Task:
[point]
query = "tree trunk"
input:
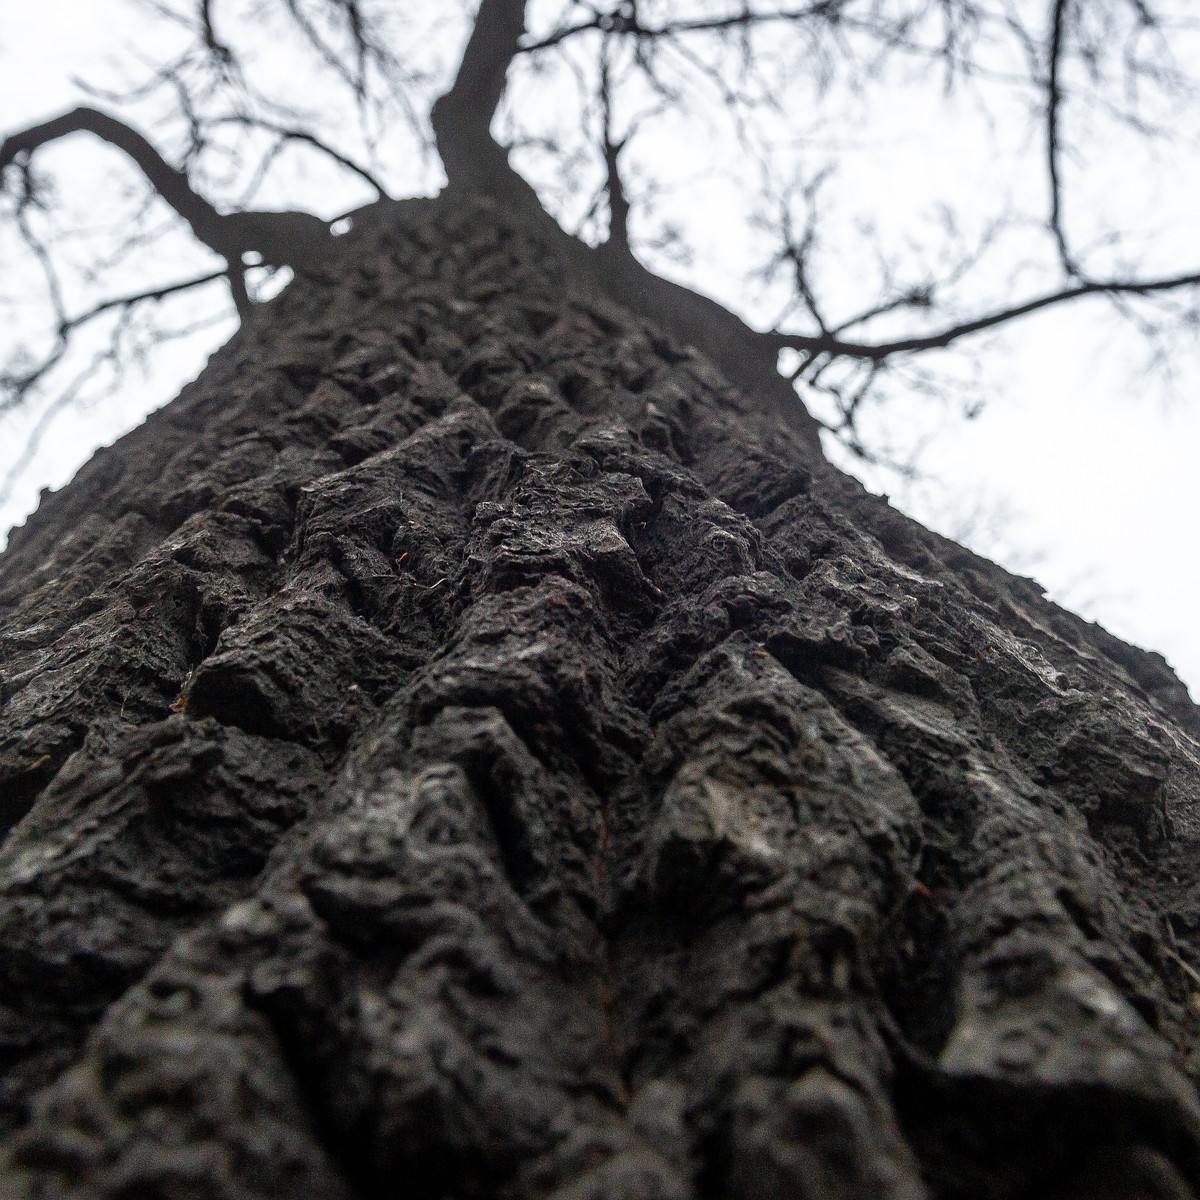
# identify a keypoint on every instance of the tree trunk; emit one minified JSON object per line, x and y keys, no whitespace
{"x":460,"y":748}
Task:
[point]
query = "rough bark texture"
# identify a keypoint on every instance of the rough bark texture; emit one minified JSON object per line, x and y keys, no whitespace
{"x":459,"y":749}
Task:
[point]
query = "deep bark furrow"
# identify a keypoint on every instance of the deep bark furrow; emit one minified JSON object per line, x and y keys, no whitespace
{"x":570,"y":791}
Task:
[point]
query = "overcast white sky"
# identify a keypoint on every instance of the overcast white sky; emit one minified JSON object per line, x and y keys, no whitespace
{"x":1092,"y":466}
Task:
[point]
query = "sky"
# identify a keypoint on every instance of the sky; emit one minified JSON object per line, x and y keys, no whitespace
{"x":1080,"y":473}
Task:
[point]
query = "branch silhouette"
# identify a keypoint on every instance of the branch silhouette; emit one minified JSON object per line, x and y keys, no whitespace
{"x":830,"y":343}
{"x":296,"y":239}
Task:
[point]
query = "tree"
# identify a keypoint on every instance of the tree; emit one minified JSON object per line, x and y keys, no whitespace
{"x":471,"y":742}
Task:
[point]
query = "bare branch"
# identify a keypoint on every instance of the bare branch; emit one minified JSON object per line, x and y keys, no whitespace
{"x":622,"y":20}
{"x":294,"y":239}
{"x":914,"y":298}
{"x":34,"y":439}
{"x":462,"y":118}
{"x":18,"y":387}
{"x":1054,"y":97}
{"x":618,"y":201}
{"x":114,"y":356}
{"x":216,"y":47}
{"x":172,"y":185}
{"x":832,"y":345}
{"x":128,"y":301}
{"x":286,"y":133}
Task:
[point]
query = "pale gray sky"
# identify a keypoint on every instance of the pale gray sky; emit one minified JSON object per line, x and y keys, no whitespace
{"x":1091,"y":466}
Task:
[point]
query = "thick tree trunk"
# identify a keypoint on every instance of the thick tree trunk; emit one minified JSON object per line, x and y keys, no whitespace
{"x":460,"y":748}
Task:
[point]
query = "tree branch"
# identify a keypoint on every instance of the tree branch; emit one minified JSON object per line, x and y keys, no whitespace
{"x":833,"y":345}
{"x":1053,"y":146}
{"x":296,"y":239}
{"x":287,"y":134}
{"x":127,"y":301}
{"x":462,"y":118}
{"x":34,"y":438}
{"x":618,"y":201}
{"x":216,"y":47}
{"x":19,"y":387}
{"x":172,"y":185}
{"x":619,"y":22}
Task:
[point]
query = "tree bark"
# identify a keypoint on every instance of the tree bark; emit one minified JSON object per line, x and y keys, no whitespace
{"x":465,"y":747}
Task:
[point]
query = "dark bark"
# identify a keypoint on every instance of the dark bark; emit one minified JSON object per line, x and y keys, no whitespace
{"x":463,"y":747}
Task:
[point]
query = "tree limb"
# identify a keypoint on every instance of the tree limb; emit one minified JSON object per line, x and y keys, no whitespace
{"x":831,"y":344}
{"x":618,"y":201}
{"x":288,"y":134}
{"x":216,"y":47}
{"x":172,"y":185}
{"x":618,"y":22}
{"x":1053,"y":142}
{"x":33,"y":440}
{"x":158,"y":293}
{"x":294,"y":239}
{"x":20,"y":386}
{"x":462,"y":118}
